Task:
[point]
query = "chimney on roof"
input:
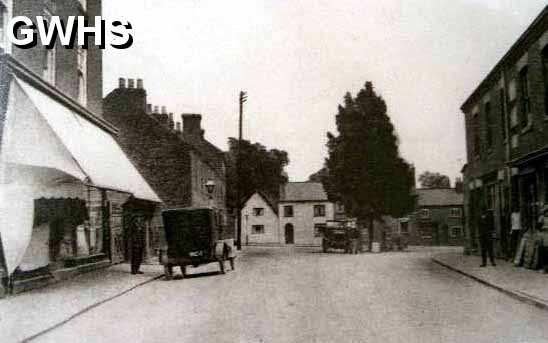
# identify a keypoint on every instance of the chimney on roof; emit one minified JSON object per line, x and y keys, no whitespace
{"x":459,"y":185}
{"x":192,"y":125}
{"x":121,"y":82}
{"x":178,"y":127}
{"x":130,"y":83}
{"x":156,"y":108}
{"x":164,"y":110}
{"x":171,"y":123}
{"x":127,"y":97}
{"x":149,"y":109}
{"x":140,"y":84}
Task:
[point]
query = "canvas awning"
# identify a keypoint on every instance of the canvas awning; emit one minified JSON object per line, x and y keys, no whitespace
{"x":43,"y":132}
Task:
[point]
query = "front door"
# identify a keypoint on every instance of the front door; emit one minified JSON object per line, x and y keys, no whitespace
{"x":289,"y":234}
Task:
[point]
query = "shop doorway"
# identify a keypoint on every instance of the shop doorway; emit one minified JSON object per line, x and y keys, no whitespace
{"x":289,"y":234}
{"x":530,"y":198}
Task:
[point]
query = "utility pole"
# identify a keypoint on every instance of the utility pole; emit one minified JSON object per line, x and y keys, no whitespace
{"x":243,"y":98}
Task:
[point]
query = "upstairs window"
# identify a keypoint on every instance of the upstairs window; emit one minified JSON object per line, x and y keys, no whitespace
{"x":525,"y":102}
{"x":258,"y":211}
{"x":502,"y":99}
{"x":489,"y":124}
{"x":424,"y":213}
{"x":49,"y":58}
{"x":288,"y":211}
{"x":545,"y":78}
{"x":319,"y":210}
{"x":476,"y":141}
{"x":455,"y":212}
{"x":257,"y":229}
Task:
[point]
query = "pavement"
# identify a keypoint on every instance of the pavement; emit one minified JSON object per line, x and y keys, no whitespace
{"x":526,"y":285}
{"x":33,"y":313}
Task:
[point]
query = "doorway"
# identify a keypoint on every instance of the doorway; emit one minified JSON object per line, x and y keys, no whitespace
{"x":289,"y":234}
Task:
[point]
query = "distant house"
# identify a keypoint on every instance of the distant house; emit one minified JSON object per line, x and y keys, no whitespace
{"x":303,"y":210}
{"x":438,"y":219}
{"x":260,"y":223}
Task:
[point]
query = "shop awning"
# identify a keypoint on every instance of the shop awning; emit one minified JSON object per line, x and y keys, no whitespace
{"x":43,"y":132}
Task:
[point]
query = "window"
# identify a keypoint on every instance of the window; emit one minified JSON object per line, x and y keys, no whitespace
{"x":502,"y":100}
{"x":48,"y":63}
{"x":476,"y":142}
{"x":404,"y":227}
{"x":319,"y":210}
{"x":545,"y":77}
{"x":258,"y":211}
{"x":82,"y":76}
{"x":318,"y":229}
{"x":489,"y":124}
{"x":490,"y":197}
{"x":456,"y":232}
{"x":424,"y":213}
{"x":257,"y":229}
{"x":525,"y":102}
{"x":288,"y":211}
{"x":455,"y":212}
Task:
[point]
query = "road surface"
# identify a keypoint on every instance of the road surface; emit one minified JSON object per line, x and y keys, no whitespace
{"x":302,"y":295}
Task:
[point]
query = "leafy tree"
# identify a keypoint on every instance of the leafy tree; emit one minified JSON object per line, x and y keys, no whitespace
{"x":262,"y":170}
{"x":364,"y":168}
{"x":434,"y":180}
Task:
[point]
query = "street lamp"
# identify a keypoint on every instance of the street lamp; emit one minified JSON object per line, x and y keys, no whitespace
{"x":210,"y":187}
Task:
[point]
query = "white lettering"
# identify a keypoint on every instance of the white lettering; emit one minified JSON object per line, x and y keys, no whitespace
{"x":28,"y":32}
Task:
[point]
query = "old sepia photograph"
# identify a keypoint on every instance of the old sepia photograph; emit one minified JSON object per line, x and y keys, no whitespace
{"x":274,"y":171}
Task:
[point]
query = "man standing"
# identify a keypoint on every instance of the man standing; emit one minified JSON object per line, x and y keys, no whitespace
{"x":137,"y":244}
{"x":486,"y":232}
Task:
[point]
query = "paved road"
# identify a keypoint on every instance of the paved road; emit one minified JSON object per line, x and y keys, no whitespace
{"x":281,"y":295}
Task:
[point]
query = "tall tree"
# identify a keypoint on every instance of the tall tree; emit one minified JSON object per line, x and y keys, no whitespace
{"x":364,"y":169}
{"x":262,"y":170}
{"x":434,"y":180}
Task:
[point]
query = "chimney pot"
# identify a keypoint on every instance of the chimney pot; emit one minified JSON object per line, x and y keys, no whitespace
{"x":121,"y":82}
{"x":130,"y":83}
{"x":140,"y":84}
{"x":164,"y":110}
{"x":178,"y":126}
{"x":192,"y":125}
{"x":149,"y":108}
{"x":156,"y":110}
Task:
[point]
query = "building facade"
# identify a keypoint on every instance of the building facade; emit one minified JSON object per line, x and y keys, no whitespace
{"x":303,"y":210}
{"x":438,"y":219}
{"x":176,"y":162}
{"x":507,"y":139}
{"x":260,"y":224}
{"x":65,"y":184}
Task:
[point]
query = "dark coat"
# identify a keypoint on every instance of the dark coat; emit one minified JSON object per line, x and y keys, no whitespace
{"x":486,"y":226}
{"x":138,"y":234}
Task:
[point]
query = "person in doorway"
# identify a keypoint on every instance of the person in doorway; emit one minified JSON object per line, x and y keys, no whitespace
{"x":515,"y":233}
{"x":137,"y":241}
{"x":486,"y":233}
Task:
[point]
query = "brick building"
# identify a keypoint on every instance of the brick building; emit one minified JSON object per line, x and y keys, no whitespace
{"x":64,"y":182}
{"x":177,"y":163}
{"x":506,"y":121}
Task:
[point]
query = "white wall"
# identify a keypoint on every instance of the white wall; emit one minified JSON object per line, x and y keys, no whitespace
{"x":269,"y":219}
{"x":303,"y":221}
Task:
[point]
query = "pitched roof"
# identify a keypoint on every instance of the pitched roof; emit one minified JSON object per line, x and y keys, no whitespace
{"x":269,"y":200}
{"x":212,"y":155}
{"x":439,"y":197}
{"x":302,"y":191}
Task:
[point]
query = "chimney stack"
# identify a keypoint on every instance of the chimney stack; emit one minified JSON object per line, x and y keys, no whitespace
{"x":140,"y":84}
{"x":171,"y":123}
{"x":121,"y":82}
{"x":149,"y":109}
{"x":156,"y":108}
{"x":130,"y":83}
{"x":192,"y":127}
{"x":164,"y":110}
{"x":178,"y":127}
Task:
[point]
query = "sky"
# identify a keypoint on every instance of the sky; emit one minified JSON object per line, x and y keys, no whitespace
{"x":297,"y":58}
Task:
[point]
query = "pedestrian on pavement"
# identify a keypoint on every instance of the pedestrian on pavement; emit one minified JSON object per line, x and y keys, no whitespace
{"x":137,"y":240}
{"x":486,"y":233}
{"x":515,"y":233}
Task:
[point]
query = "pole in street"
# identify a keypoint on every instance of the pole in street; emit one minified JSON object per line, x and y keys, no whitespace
{"x":243,"y":98}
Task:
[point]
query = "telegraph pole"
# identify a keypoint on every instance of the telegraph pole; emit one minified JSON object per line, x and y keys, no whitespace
{"x":243,"y":98}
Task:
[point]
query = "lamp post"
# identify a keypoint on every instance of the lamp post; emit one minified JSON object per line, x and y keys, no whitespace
{"x":210,"y":187}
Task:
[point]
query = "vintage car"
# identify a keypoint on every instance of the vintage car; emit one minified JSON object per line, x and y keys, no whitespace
{"x":339,"y":235}
{"x":195,"y":236}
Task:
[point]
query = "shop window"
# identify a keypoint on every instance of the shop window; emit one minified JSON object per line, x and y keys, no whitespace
{"x":525,"y":102}
{"x":318,"y":229}
{"x":288,"y":211}
{"x":319,"y":210}
{"x":404,"y":227}
{"x":257,"y":229}
{"x":258,"y":211}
